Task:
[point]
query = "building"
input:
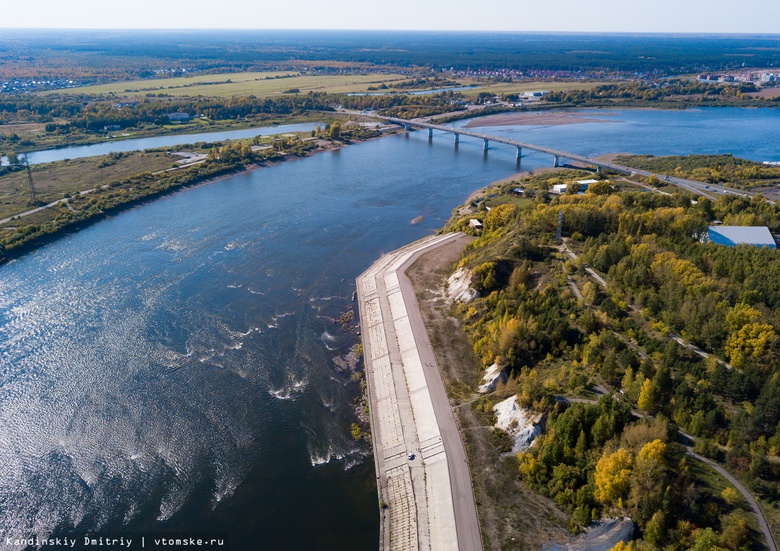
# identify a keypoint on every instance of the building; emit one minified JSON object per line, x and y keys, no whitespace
{"x":561,"y":188}
{"x":180,"y":117}
{"x":518,"y":191}
{"x":476,"y":224}
{"x":732,"y":236}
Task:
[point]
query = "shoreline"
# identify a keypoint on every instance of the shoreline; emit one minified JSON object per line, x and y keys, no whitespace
{"x":173,"y":132}
{"x":423,"y":479}
{"x":11,"y":254}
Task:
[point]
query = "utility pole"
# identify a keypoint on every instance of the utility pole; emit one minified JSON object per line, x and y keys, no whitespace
{"x":34,"y":200}
{"x":560,"y":225}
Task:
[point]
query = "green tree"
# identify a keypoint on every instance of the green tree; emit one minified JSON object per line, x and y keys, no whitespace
{"x":648,"y":481}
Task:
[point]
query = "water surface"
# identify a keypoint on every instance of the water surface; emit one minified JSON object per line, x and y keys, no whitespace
{"x":172,"y":367}
{"x":122,"y":145}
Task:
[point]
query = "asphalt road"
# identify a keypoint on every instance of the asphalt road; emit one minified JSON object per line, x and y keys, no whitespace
{"x":466,"y":518}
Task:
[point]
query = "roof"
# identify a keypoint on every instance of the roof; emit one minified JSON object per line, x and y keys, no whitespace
{"x":586,"y":182}
{"x":736,"y":235}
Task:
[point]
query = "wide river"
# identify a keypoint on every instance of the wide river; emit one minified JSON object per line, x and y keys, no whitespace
{"x":172,"y":367}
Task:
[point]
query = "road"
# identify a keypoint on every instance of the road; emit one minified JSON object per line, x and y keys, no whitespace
{"x":466,"y":519}
{"x":692,"y":347}
{"x":696,"y":187}
{"x":762,"y":522}
{"x":763,"y":525}
{"x":422,"y":472}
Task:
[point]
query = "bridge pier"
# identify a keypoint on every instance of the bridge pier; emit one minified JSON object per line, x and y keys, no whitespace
{"x":519,"y":153}
{"x":485,"y":145}
{"x":598,"y":170}
{"x":430,"y":133}
{"x":406,"y":127}
{"x":556,"y":161}
{"x":457,"y":138}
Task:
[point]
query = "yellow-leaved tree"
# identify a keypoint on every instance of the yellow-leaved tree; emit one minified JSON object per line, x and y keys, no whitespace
{"x":751,"y":341}
{"x":499,"y":216}
{"x":646,"y":399}
{"x":613,"y":477}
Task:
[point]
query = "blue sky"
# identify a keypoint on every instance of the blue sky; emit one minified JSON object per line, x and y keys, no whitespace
{"x":723,"y":16}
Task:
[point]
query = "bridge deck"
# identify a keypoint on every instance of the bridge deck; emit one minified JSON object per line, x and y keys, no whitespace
{"x":694,"y":186}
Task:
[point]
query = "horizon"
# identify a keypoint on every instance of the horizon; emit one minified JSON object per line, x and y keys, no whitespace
{"x":611,"y":16}
{"x":378,"y":30}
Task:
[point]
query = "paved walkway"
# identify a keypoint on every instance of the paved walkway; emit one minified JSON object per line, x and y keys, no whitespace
{"x":430,"y":504}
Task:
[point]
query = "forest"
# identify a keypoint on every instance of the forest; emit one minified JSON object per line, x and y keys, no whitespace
{"x":622,"y":396}
{"x":77,"y":119}
{"x":97,"y":56}
{"x":715,"y":169}
{"x":671,"y":90}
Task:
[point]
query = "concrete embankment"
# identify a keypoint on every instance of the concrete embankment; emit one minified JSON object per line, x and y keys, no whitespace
{"x":422,"y":473}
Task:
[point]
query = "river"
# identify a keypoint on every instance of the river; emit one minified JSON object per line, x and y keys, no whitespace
{"x":123,"y":145}
{"x":172,"y":367}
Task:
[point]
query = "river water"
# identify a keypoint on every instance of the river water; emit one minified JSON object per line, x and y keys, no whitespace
{"x":172,"y":367}
{"x":138,"y":144}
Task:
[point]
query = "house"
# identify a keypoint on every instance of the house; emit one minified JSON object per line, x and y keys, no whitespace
{"x":561,"y":188}
{"x":476,"y":224}
{"x":518,"y":191}
{"x":178,"y":117}
{"x":731,"y":236}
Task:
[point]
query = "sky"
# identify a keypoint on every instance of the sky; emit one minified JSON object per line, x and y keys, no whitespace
{"x":695,"y":16}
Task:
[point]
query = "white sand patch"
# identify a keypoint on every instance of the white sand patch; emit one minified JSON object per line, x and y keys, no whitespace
{"x":521,"y":424}
{"x":459,"y":286}
{"x":493,"y":375}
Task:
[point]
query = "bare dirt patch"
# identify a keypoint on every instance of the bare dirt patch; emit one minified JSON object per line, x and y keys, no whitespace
{"x":544,"y":118}
{"x":511,"y":515}
{"x":768,"y":93}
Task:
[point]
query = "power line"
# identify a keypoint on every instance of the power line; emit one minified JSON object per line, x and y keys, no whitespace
{"x":34,"y":200}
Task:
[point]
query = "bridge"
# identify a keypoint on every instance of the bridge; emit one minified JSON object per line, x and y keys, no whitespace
{"x":696,"y":187}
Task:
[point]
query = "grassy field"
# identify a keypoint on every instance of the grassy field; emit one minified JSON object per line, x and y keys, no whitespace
{"x":54,"y":180}
{"x":262,"y":84}
{"x":242,"y":84}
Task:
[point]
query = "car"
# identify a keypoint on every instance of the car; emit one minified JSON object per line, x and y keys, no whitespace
{"x":411,"y":457}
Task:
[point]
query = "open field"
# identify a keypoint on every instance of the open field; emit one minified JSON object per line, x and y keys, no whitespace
{"x":54,"y":180}
{"x":242,"y":84}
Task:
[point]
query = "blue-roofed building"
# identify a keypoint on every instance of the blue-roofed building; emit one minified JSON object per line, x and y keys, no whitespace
{"x":732,"y":236}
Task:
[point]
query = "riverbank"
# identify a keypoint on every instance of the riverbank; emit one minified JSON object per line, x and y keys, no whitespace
{"x":29,"y":131}
{"x":511,"y":516}
{"x":422,"y":475}
{"x":87,"y":207}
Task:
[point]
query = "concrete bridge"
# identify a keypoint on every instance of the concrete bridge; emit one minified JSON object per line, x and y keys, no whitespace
{"x":699,"y":188}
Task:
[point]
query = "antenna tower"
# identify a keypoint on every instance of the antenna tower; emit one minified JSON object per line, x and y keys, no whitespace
{"x":34,"y":200}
